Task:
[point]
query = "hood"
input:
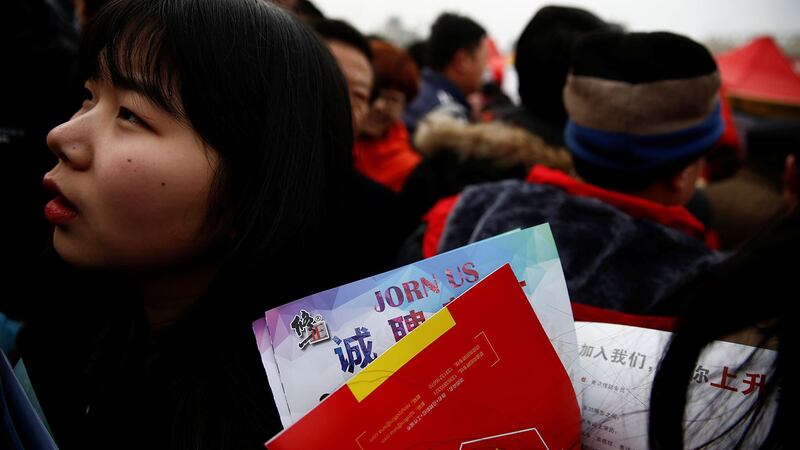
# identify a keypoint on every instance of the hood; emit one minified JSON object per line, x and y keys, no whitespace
{"x":505,"y":145}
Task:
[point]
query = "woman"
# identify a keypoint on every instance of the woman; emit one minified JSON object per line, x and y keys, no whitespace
{"x":383,"y":150}
{"x":200,"y":173}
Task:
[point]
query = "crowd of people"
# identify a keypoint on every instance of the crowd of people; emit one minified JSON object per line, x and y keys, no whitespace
{"x":226,"y":148}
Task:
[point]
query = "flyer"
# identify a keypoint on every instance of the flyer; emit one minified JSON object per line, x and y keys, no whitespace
{"x":317,"y":343}
{"x":469,"y":377}
{"x":620,"y":363}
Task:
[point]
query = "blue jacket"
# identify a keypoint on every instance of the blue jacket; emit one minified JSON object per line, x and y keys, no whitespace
{"x":435,"y":91}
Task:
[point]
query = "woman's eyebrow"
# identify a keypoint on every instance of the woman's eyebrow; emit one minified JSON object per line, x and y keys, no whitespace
{"x":143,"y":105}
{"x":155,"y":96}
{"x":127,"y":83}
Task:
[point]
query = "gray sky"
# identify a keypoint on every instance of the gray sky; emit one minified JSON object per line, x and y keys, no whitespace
{"x":505,"y":19}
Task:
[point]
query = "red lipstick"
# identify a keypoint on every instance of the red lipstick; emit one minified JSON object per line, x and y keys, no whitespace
{"x":58,"y":211}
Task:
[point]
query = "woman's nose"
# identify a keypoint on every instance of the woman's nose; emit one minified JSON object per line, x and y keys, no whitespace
{"x":71,"y":142}
{"x":379,"y":104}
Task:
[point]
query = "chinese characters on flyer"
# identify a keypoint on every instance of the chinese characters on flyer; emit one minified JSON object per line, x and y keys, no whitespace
{"x":345,"y":346}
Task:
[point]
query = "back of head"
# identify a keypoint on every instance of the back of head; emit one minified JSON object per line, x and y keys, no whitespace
{"x":641,"y":106}
{"x":418,"y":51}
{"x":449,"y":34}
{"x":768,"y":143}
{"x":543,"y":57}
{"x":258,"y":87}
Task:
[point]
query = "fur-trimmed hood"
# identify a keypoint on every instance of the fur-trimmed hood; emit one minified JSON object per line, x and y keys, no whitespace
{"x":505,"y":145}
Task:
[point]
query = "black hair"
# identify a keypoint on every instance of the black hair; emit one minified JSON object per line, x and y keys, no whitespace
{"x":259,"y":88}
{"x":768,"y":142}
{"x":307,"y":10}
{"x":449,"y":34}
{"x":754,"y":288}
{"x":543,"y":57}
{"x":419,"y":53}
{"x":630,"y":182}
{"x":339,"y":30}
{"x":613,"y":54}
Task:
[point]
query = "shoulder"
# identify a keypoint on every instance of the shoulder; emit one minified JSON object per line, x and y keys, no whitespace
{"x":488,"y":209}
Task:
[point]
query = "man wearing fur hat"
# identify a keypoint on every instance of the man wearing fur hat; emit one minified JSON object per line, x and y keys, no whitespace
{"x":643,"y":110}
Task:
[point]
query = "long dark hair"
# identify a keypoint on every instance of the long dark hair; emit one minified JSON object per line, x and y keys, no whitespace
{"x":757,"y":286}
{"x":259,"y":88}
{"x":262,"y":91}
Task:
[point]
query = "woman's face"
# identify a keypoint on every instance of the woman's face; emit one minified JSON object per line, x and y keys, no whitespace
{"x":132,"y":184}
{"x":384,"y":111}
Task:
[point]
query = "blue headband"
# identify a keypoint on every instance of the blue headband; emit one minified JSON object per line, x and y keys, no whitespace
{"x":636,"y":153}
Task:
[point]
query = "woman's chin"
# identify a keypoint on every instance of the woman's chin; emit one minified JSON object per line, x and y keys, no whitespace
{"x":374,"y":130}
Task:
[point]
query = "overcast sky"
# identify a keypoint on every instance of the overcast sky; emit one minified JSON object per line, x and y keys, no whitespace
{"x":505,"y":19}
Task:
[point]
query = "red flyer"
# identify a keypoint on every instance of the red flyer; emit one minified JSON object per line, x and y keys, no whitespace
{"x":479,"y":374}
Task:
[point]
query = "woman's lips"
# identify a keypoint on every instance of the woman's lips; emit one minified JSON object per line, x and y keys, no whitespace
{"x":58,"y":211}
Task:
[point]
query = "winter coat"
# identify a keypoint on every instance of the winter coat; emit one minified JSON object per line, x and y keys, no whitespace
{"x":619,"y":252}
{"x":456,"y":154}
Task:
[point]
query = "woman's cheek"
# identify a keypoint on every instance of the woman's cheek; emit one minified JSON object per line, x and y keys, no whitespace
{"x":133,"y":192}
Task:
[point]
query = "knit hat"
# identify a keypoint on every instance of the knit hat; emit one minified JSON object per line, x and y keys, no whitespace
{"x":640,"y":102}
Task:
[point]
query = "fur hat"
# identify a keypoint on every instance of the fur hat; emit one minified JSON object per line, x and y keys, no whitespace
{"x":641,"y":102}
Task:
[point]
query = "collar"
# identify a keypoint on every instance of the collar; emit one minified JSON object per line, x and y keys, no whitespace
{"x":674,"y":216}
{"x":437,"y":81}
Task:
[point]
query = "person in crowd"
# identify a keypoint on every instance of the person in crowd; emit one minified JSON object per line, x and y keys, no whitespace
{"x":354,"y":55}
{"x":457,"y":154}
{"x":719,"y":305}
{"x":418,"y":51}
{"x":643,"y":110}
{"x":383,"y":151}
{"x":369,"y":199}
{"x":747,"y":202}
{"x":197,"y":185}
{"x":457,"y":57}
{"x":542,"y":61}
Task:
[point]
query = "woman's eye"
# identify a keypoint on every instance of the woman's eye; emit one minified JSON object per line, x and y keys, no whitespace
{"x":87,"y":94}
{"x":127,"y":115}
{"x":88,"y":98}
